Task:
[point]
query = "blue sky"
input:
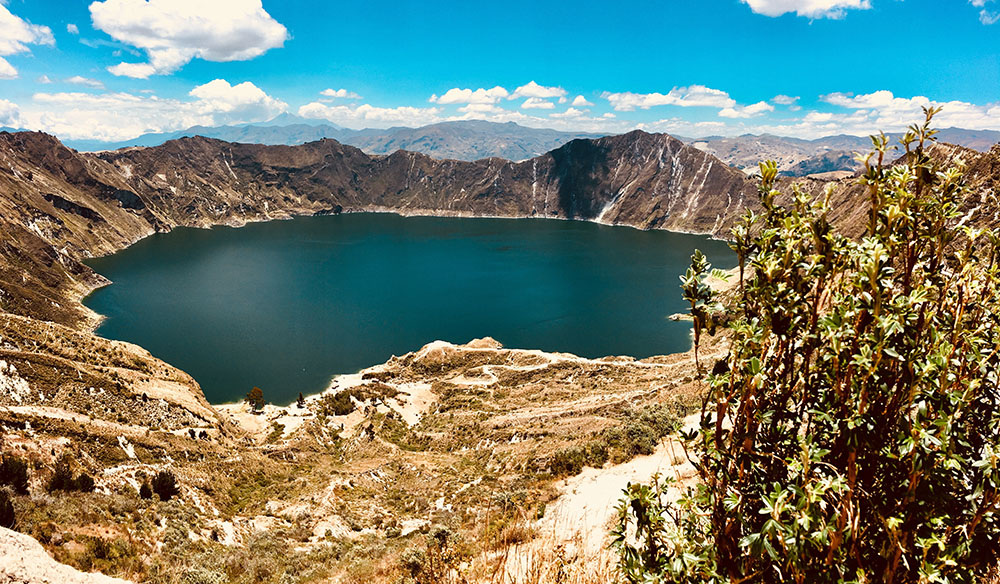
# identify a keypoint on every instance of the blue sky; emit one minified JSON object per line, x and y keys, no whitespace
{"x":113,"y":69}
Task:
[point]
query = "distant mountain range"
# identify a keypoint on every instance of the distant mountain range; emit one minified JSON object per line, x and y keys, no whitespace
{"x":798,"y":157}
{"x":475,"y":140}
{"x":462,"y":140}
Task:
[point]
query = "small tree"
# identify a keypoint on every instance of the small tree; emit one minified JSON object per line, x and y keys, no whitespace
{"x":14,"y":473}
{"x":164,"y":484}
{"x":256,"y":399}
{"x":701,"y":297}
{"x":855,"y":436}
{"x":301,"y":402}
{"x":145,"y":492}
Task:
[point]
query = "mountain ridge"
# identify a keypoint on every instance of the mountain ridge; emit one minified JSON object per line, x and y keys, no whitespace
{"x":462,"y":140}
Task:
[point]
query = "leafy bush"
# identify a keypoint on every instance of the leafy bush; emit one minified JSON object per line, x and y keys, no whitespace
{"x":854,"y":436}
{"x":639,"y":435}
{"x":145,"y":492}
{"x":570,"y":461}
{"x":164,"y":484}
{"x":7,"y":518}
{"x":63,"y":479}
{"x":14,"y":473}
{"x":341,"y":402}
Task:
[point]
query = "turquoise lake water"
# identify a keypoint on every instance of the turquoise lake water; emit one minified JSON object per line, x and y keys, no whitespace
{"x":286,"y":305}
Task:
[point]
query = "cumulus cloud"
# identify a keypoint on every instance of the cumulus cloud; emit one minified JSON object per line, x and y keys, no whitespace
{"x":234,"y":103}
{"x":784,"y":100}
{"x":808,"y":8}
{"x":10,"y":114}
{"x":339,"y":94}
{"x":986,"y":17}
{"x":694,"y":95}
{"x":570,"y":113}
{"x":865,"y":114}
{"x":369,"y":116}
{"x":532,"y":89}
{"x":481,"y":109}
{"x":80,"y":80}
{"x":581,"y":101}
{"x":173,"y":32}
{"x":7,"y":71}
{"x":456,"y":95}
{"x":537,"y":103}
{"x":748,"y":111}
{"x":15,"y":36}
{"x":72,"y":28}
{"x":119,"y":116}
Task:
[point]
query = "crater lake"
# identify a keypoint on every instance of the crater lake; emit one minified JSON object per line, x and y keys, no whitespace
{"x":286,"y":305}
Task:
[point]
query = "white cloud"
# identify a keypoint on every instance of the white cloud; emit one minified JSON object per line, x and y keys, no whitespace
{"x":481,"y":108}
{"x":15,"y":36}
{"x":369,"y":116}
{"x":570,"y":113}
{"x":694,"y":95}
{"x":986,"y":17}
{"x":72,"y":28}
{"x":134,"y":70}
{"x":581,"y":101}
{"x":339,"y":94}
{"x":784,"y":100}
{"x":682,"y":127}
{"x":10,"y":114}
{"x":468,"y":96}
{"x":234,"y":103}
{"x":532,"y":89}
{"x":808,"y":8}
{"x":119,"y":116}
{"x":748,"y":111}
{"x":44,"y":80}
{"x":537,"y":103}
{"x":7,"y":71}
{"x":173,"y":32}
{"x":80,"y":80}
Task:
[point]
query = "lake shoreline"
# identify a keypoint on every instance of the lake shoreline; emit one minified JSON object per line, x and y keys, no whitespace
{"x":508,"y":224}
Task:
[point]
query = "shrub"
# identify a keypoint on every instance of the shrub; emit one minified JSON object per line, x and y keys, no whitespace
{"x":854,"y":434}
{"x":164,"y":484}
{"x":84,"y":483}
{"x":570,"y":461}
{"x":62,"y":477}
{"x":6,"y":510}
{"x":14,"y":474}
{"x":145,"y":492}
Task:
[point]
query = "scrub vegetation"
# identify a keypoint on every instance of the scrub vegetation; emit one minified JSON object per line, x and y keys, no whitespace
{"x":851,"y":434}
